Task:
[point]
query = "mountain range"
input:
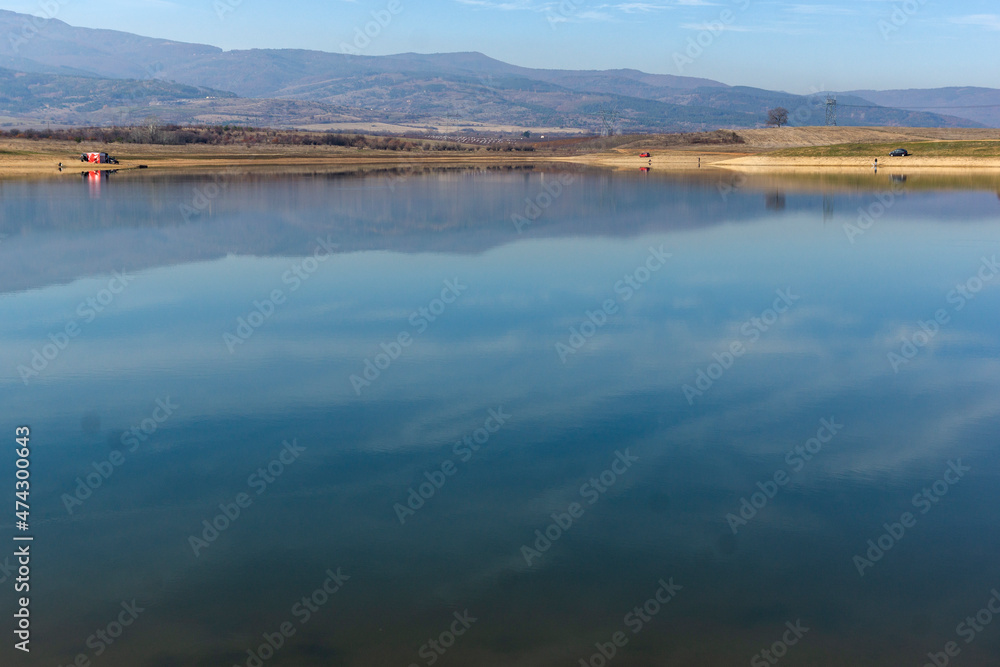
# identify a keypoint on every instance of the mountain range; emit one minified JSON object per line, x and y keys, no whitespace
{"x":57,"y":74}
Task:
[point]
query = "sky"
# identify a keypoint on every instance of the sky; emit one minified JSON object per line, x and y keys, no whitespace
{"x":797,"y":47}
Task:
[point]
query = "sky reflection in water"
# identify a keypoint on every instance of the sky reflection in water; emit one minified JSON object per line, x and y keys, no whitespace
{"x":733,"y":243}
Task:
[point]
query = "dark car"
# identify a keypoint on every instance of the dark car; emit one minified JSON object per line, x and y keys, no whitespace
{"x":899,"y":152}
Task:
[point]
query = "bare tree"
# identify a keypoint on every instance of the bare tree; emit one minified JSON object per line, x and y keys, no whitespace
{"x":778,"y":116}
{"x":147,"y":132}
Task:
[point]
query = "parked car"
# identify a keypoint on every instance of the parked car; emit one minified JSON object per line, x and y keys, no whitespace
{"x":899,"y":152}
{"x":645,"y":155}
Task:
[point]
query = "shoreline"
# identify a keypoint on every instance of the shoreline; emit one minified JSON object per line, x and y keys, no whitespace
{"x":25,"y":159}
{"x":30,"y":169}
{"x":887,"y":163}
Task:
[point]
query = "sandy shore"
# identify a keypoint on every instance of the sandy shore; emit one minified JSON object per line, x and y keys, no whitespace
{"x":910,"y":162}
{"x":684,"y":160}
{"x":14,"y":167}
{"x":668,"y":160}
{"x":21,"y":158}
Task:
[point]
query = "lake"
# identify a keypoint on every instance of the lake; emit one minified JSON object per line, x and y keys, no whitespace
{"x":505,"y":416}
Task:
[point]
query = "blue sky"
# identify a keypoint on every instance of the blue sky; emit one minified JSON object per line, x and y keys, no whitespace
{"x":797,"y":47}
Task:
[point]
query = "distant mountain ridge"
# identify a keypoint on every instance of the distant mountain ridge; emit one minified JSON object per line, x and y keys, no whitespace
{"x":978,"y":104}
{"x":299,"y":88}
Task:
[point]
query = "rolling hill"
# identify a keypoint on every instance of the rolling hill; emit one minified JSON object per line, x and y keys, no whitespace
{"x":181,"y":82}
{"x":978,"y":104}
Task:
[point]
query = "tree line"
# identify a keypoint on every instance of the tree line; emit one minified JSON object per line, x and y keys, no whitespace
{"x":228,"y":135}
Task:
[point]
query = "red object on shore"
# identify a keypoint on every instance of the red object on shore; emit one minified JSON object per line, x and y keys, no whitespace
{"x":645,"y":155}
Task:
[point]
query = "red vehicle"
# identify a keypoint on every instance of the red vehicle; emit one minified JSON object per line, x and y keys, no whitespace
{"x":645,"y":155}
{"x":97,"y":158}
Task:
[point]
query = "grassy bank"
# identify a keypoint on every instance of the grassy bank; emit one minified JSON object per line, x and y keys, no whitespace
{"x":922,"y":149}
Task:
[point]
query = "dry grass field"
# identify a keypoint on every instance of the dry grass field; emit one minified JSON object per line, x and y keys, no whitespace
{"x":812,"y":147}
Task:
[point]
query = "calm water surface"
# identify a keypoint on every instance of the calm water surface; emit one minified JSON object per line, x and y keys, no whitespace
{"x":541,"y":400}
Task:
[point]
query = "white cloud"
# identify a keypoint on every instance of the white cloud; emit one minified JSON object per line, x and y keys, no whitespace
{"x":988,"y":21}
